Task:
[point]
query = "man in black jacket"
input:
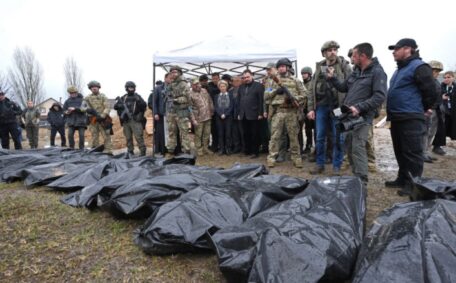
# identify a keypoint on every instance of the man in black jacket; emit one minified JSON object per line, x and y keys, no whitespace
{"x":75,"y":116}
{"x":250,"y":112}
{"x":130,"y":109}
{"x":411,"y":96}
{"x":366,"y":91}
{"x":56,"y":119}
{"x":8,"y":124}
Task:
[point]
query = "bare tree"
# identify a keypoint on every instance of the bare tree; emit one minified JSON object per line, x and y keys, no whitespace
{"x":26,"y":77}
{"x":73,"y":74}
{"x":4,"y":85}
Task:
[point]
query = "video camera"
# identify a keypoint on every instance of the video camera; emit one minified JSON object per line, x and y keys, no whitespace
{"x":345,"y":121}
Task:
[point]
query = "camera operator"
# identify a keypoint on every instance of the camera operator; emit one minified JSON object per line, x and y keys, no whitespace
{"x":366,"y":90}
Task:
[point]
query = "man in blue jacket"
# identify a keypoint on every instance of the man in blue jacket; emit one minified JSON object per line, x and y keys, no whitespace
{"x":366,"y":91}
{"x":411,"y":95}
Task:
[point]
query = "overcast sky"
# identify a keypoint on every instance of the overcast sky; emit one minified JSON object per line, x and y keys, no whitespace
{"x":114,"y":41}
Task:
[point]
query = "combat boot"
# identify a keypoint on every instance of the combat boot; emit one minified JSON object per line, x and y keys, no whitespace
{"x":169,"y":155}
{"x":271,"y":163}
{"x":297,"y":163}
{"x":317,"y":170}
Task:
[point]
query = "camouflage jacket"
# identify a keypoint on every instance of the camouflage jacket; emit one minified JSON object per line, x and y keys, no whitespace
{"x":98,"y":102}
{"x":31,"y":116}
{"x":319,"y":83}
{"x":202,"y":105}
{"x":268,"y":88}
{"x":179,"y":93}
{"x":295,"y":87}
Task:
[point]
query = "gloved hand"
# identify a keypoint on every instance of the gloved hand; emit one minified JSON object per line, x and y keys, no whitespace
{"x":280,"y":91}
{"x":91,"y":111}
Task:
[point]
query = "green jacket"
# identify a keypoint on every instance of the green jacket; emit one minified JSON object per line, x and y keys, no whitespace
{"x":342,"y":72}
{"x":98,"y":102}
{"x":179,"y":92}
{"x":295,"y":87}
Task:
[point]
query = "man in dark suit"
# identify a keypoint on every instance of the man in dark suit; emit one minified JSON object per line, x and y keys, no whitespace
{"x":157,"y":103}
{"x":250,"y":112}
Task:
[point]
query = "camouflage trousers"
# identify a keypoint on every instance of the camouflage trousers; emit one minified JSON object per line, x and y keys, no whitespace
{"x":32,"y":135}
{"x":181,"y":125}
{"x":202,"y":134}
{"x":284,"y":119}
{"x":133,"y":128}
{"x":95,"y":130}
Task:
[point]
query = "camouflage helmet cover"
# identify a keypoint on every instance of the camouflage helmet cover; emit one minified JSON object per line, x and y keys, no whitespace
{"x":329,"y":44}
{"x":93,"y":84}
{"x":437,"y":65}
{"x":72,"y":89}
{"x":179,"y":69}
{"x":307,"y":69}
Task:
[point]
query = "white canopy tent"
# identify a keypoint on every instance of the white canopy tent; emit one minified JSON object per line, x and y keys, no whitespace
{"x":229,"y":55}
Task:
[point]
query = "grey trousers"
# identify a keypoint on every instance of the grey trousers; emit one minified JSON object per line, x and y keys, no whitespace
{"x":356,"y":151}
{"x":431,"y":130}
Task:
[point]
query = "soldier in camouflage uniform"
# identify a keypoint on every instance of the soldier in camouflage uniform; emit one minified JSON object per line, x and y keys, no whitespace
{"x":202,"y":109}
{"x":31,"y":117}
{"x":284,"y":112}
{"x":97,"y":106}
{"x":130,"y":109}
{"x":178,"y":106}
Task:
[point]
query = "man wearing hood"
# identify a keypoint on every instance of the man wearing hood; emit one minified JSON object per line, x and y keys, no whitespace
{"x":130,"y":109}
{"x":366,"y":91}
{"x":56,"y":119}
{"x":411,"y":96}
{"x":75,"y":116}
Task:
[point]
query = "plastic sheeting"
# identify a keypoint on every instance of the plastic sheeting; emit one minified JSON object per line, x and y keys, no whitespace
{"x":312,"y":237}
{"x":410,"y":242}
{"x":429,"y":188}
{"x":182,"y":225}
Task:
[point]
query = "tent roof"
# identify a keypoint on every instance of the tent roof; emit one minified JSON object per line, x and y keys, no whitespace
{"x":226,"y":49}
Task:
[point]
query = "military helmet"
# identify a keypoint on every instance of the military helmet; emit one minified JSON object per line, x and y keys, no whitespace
{"x":72,"y":89}
{"x":284,"y":61}
{"x":93,"y":84}
{"x":130,"y":84}
{"x":436,"y":65}
{"x":307,"y":70}
{"x":329,"y":44}
{"x":179,"y":69}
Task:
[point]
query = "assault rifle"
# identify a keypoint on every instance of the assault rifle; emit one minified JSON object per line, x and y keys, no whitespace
{"x":125,"y":115}
{"x":287,"y":92}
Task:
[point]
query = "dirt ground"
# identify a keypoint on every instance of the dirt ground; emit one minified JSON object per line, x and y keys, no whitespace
{"x":44,"y":240}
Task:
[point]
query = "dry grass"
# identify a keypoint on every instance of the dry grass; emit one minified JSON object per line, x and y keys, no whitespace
{"x":42,"y":240}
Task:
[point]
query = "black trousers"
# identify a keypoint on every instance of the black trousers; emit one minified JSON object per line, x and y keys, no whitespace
{"x":159,"y":136}
{"x":214,"y":134}
{"x":440,"y":135}
{"x":61,"y":131}
{"x":309,"y":125}
{"x":264,"y":135}
{"x":81,"y":131}
{"x":251,"y":134}
{"x":407,"y":136}
{"x":237,"y":136}
{"x":224,"y":133}
{"x":10,"y":129}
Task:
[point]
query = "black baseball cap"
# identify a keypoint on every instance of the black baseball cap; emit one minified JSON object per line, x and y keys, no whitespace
{"x":404,"y":42}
